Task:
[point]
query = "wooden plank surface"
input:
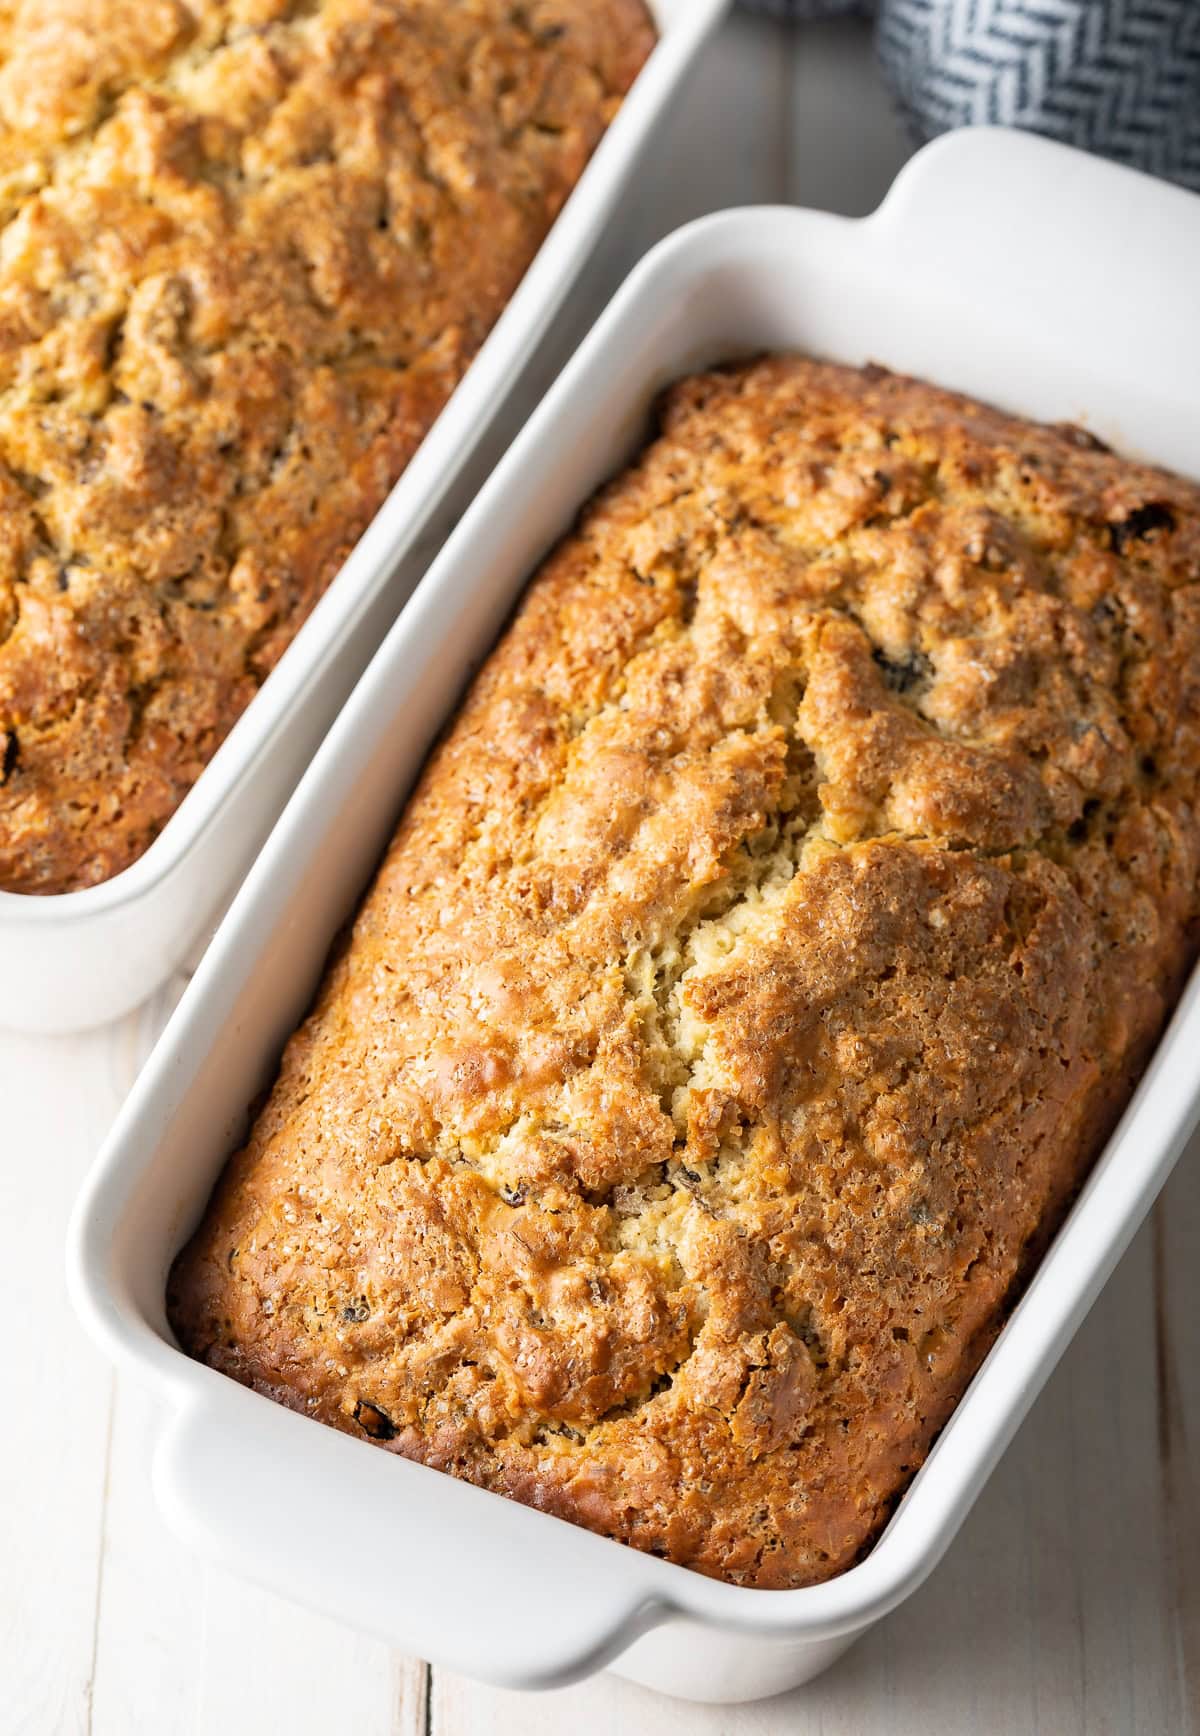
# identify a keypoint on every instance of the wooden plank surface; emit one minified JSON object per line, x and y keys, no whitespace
{"x":1071,"y":1601}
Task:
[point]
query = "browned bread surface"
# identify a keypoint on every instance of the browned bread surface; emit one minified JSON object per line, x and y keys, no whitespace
{"x":249,"y":248}
{"x":759,"y":964}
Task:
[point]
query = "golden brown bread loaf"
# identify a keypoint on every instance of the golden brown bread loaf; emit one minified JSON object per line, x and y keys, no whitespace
{"x":763,"y":957}
{"x":250,"y":246}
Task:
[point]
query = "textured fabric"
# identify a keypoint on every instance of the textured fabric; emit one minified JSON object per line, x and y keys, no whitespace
{"x":1118,"y":77}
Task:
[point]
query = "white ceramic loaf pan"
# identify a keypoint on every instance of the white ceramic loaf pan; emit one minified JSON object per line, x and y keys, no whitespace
{"x":79,"y":958}
{"x":987,"y":268}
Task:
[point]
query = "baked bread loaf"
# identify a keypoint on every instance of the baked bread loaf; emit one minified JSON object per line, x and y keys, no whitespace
{"x":762,"y":959}
{"x":250,"y":247}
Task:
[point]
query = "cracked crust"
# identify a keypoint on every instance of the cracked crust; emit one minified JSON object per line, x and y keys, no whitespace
{"x":763,"y":957}
{"x":249,"y":248}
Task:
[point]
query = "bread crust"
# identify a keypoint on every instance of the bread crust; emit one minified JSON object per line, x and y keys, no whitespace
{"x":763,"y":957}
{"x":250,"y":247}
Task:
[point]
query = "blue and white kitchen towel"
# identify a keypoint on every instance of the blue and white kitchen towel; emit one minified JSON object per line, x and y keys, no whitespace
{"x":1118,"y":77}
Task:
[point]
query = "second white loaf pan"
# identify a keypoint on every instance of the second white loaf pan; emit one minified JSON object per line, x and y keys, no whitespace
{"x":74,"y":959}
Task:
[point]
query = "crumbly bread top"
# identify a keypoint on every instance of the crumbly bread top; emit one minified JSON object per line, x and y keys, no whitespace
{"x":248,"y":249}
{"x":763,"y":956}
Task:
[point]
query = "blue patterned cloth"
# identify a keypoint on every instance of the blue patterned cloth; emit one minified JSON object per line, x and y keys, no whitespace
{"x":1118,"y":77}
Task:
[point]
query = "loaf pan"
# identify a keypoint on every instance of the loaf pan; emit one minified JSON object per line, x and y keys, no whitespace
{"x":986,"y":270}
{"x":75,"y":959}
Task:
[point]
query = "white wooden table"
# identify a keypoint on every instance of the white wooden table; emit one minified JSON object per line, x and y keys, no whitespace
{"x":1071,"y":1601}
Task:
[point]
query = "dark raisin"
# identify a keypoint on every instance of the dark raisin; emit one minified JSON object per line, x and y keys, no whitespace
{"x":903,"y":677}
{"x":1141,"y":523}
{"x":372,"y":1421}
{"x":1078,"y":830}
{"x":12,"y":754}
{"x":356,"y":1312}
{"x":1083,"y":438}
